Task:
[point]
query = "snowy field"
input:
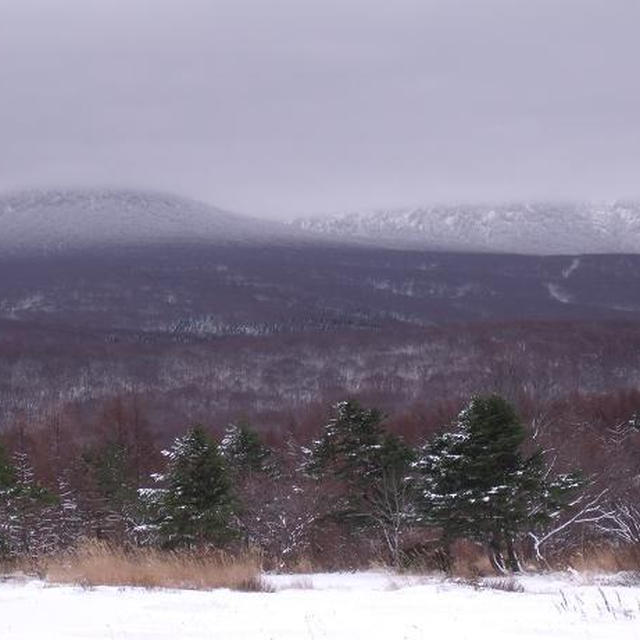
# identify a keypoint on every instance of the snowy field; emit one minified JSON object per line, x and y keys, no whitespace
{"x":353,"y":606}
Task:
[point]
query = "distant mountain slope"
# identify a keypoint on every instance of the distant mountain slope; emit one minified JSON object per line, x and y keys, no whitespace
{"x":538,"y":229}
{"x":55,"y":220}
{"x":212,"y":290}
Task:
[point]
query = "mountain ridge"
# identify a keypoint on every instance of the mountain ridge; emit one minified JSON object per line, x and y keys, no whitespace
{"x":54,"y":220}
{"x":523,"y":228}
{"x":58,"y":220}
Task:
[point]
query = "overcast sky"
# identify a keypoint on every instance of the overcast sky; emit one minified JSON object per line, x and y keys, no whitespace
{"x":284,"y":107}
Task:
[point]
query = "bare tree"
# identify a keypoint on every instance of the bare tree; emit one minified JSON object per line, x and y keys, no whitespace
{"x":586,"y":509}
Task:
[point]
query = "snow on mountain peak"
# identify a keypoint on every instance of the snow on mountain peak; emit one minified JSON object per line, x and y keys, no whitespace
{"x":51,"y":220}
{"x":539,"y":228}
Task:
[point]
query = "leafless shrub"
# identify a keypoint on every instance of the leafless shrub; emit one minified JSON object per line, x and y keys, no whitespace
{"x":255,"y":584}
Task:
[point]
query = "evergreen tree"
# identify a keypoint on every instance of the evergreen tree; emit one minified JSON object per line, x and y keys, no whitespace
{"x":110,"y":495}
{"x":475,"y":482}
{"x":62,"y":523}
{"x":366,"y":472}
{"x":196,"y":505}
{"x":7,"y":472}
{"x":350,"y":443}
{"x":243,"y":450}
{"x":7,"y":480}
{"x":257,"y":484}
{"x":24,"y":503}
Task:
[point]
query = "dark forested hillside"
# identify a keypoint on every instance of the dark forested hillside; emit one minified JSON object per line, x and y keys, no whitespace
{"x":209,"y":290}
{"x":207,"y":332}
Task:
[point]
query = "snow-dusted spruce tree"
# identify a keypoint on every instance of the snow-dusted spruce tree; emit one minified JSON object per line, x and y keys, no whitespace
{"x":24,"y":501}
{"x":7,"y":479}
{"x":62,"y":523}
{"x":475,"y":482}
{"x":196,"y":504}
{"x":244,"y":452}
{"x":34,"y":520}
{"x":257,"y":485}
{"x":369,"y":468}
{"x":276,"y":509}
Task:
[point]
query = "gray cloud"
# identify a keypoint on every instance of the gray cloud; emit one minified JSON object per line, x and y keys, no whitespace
{"x":287,"y":107}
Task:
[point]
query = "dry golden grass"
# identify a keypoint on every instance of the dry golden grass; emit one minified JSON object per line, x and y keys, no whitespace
{"x":301,"y":564}
{"x":470,"y":560}
{"x":96,"y":563}
{"x":606,"y":559}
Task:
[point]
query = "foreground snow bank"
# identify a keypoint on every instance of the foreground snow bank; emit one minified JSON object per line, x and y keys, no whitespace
{"x":336,"y":606}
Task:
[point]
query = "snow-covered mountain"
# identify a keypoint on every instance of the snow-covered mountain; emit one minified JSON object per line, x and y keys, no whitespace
{"x":539,"y":229}
{"x":49,"y":221}
{"x":52,"y":220}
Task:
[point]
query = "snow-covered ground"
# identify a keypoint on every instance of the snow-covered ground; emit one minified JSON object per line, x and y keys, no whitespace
{"x":336,"y":606}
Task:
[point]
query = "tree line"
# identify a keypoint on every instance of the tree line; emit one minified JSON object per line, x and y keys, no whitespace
{"x":355,"y":492}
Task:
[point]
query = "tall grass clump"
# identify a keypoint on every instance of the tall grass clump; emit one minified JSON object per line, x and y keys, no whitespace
{"x":606,"y":559}
{"x":96,"y":563}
